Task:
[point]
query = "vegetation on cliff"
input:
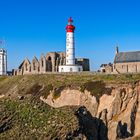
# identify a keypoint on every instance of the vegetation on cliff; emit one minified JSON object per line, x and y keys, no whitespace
{"x":35,"y":120}
{"x":24,"y":116}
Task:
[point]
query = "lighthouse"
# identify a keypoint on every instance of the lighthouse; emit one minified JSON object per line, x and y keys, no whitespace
{"x":70,"y":50}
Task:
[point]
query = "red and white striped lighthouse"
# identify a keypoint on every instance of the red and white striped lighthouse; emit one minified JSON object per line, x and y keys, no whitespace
{"x":70,"y":51}
{"x":70,"y":48}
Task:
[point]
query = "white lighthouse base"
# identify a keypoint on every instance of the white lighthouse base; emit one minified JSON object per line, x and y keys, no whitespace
{"x":70,"y":68}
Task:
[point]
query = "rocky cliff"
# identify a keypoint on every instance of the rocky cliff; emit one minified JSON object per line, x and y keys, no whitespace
{"x":102,"y":107}
{"x":119,"y":109}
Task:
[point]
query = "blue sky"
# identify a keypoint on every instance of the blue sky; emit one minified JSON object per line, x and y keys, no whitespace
{"x":32,"y":27}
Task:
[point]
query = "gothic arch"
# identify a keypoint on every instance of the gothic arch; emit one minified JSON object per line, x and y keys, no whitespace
{"x":49,"y":58}
{"x":49,"y":63}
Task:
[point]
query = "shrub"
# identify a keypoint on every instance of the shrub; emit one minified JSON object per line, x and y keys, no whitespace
{"x":96,"y":88}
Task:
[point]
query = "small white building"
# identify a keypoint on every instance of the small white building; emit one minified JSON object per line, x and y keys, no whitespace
{"x":70,"y":51}
{"x":3,"y":62}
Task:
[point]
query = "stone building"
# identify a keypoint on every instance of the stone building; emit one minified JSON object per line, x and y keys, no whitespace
{"x":106,"y":68}
{"x":126,"y":62}
{"x":48,"y":63}
{"x":84,"y":62}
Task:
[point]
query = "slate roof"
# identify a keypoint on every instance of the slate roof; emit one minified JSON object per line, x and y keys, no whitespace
{"x":123,"y":57}
{"x":104,"y":65}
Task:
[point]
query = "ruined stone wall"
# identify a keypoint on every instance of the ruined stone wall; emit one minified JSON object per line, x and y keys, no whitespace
{"x":35,"y":66}
{"x":26,"y":69}
{"x":42,"y":65}
{"x":54,"y":59}
{"x":48,"y":63}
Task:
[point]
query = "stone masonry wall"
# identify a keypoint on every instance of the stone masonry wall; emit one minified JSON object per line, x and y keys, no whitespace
{"x":131,"y":67}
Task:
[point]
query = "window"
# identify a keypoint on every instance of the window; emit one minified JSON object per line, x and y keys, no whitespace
{"x":62,"y":69}
{"x":30,"y":69}
{"x":79,"y":69}
{"x":136,"y":68}
{"x":127,"y":67}
{"x":26,"y":67}
{"x":42,"y":63}
{"x":34,"y":66}
{"x":103,"y":70}
{"x":49,"y":58}
{"x":70,"y":69}
{"x":15,"y":72}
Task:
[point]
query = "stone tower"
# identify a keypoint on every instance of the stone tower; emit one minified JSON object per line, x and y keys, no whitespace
{"x":3,"y":62}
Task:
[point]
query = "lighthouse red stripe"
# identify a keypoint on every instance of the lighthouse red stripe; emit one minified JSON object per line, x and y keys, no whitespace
{"x":69,"y":30}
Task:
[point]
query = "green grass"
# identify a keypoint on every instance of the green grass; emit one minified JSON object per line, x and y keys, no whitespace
{"x":32,"y":84}
{"x":36,"y":120}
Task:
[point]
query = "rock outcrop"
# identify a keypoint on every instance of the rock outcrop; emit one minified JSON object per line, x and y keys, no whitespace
{"x":119,"y":110}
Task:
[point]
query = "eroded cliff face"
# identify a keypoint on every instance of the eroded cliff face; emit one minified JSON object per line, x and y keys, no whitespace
{"x":119,"y":110}
{"x":99,"y":107}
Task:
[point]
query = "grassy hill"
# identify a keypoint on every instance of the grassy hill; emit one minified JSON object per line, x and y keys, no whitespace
{"x":24,"y":116}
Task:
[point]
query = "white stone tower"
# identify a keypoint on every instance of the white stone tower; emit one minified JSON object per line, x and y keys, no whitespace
{"x":3,"y":62}
{"x":70,"y":50}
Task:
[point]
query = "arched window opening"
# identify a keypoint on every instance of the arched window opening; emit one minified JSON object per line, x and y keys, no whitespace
{"x":30,"y":69}
{"x":42,"y":63}
{"x":26,"y":67}
{"x":34,"y":66}
{"x":49,"y":63}
{"x":49,"y":58}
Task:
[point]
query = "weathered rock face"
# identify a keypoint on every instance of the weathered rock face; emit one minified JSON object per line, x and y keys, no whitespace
{"x":73,"y":97}
{"x":119,"y":111}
